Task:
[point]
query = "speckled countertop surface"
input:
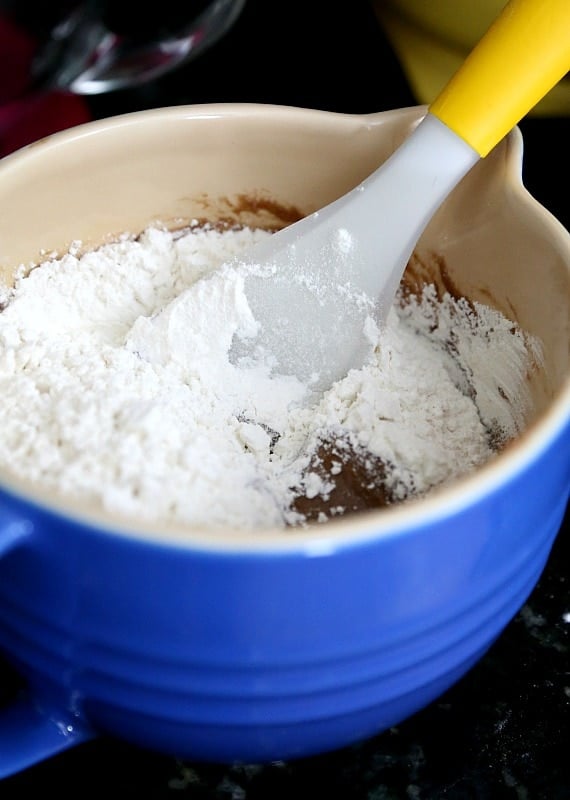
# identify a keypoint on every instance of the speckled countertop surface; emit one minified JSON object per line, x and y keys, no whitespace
{"x":502,"y":731}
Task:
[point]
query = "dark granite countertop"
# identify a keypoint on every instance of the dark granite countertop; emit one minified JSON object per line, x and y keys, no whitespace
{"x":502,"y":731}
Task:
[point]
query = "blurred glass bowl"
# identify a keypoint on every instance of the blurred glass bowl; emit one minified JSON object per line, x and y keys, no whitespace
{"x":94,"y":46}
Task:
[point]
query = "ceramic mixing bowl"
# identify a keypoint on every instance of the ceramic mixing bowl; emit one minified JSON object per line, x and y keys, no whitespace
{"x":241,"y":647}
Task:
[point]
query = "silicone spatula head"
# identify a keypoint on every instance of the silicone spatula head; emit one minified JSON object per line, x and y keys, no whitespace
{"x":321,"y":288}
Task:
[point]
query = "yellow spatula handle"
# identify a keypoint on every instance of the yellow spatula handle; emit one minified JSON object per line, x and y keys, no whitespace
{"x":525,"y":52}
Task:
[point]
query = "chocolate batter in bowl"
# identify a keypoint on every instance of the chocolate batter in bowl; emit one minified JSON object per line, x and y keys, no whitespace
{"x":233,"y":644}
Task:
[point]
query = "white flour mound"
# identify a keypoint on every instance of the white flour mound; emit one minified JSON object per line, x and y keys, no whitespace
{"x":117,"y":389}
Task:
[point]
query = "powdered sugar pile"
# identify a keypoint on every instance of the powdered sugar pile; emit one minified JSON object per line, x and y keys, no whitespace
{"x":118,"y":389}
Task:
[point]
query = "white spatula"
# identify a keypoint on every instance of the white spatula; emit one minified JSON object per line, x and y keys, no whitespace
{"x":315,"y":286}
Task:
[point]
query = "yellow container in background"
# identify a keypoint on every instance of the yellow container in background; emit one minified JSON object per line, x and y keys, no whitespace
{"x":432,"y":38}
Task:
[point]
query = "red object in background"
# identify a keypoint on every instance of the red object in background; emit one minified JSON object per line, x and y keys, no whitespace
{"x":25,"y":118}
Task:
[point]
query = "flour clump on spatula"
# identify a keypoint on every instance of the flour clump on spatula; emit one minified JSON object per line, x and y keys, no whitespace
{"x":119,"y":391}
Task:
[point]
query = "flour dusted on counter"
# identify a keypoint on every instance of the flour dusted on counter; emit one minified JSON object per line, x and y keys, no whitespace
{"x":117,"y":389}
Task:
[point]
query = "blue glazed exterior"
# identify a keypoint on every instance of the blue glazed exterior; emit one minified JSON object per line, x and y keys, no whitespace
{"x":268,"y":655}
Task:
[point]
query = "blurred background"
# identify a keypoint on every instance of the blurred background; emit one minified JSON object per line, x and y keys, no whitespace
{"x":502,"y":732}
{"x":67,"y":61}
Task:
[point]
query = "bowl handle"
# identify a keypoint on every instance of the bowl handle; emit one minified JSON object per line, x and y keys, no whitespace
{"x":30,"y":733}
{"x":13,"y":531}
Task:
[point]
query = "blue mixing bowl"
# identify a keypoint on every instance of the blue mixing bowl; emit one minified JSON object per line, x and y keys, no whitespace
{"x":257,"y":647}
